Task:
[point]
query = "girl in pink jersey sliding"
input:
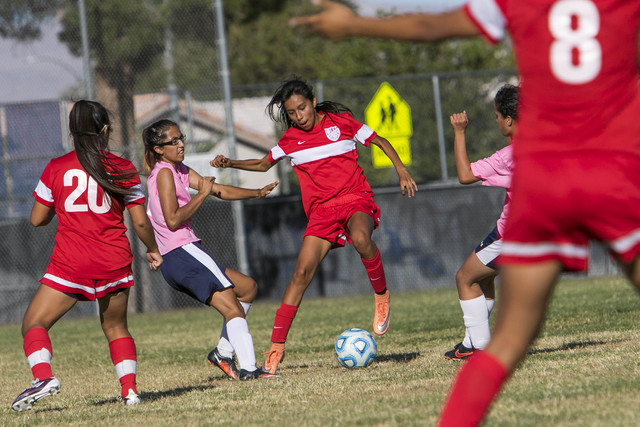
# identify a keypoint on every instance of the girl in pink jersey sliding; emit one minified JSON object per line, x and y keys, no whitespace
{"x":475,"y":278}
{"x":188,"y":268}
{"x":88,"y":190}
{"x":321,"y":142}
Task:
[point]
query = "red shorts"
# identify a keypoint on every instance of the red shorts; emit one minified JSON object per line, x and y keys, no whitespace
{"x":84,"y":289}
{"x":329,"y":220}
{"x":560,"y":203}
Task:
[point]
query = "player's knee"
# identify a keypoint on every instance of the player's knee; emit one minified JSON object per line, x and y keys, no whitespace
{"x":301,"y":277}
{"x":362,"y":243}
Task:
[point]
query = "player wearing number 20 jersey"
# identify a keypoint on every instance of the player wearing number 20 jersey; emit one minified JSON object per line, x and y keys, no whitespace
{"x":88,"y":222}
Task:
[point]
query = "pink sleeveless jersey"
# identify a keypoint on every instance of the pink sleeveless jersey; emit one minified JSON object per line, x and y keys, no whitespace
{"x":166,"y":238}
{"x":496,"y":171}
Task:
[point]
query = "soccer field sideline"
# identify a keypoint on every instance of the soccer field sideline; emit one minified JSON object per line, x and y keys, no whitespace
{"x":578,"y":373}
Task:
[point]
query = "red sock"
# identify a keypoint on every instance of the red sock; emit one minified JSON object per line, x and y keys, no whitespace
{"x":123,"y":355}
{"x":281,"y":325}
{"x":375,"y":271}
{"x":35,"y":341}
{"x":474,"y":389}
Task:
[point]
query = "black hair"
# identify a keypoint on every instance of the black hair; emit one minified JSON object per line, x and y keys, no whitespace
{"x":297,"y":86}
{"x":506,"y":101}
{"x":152,"y":136}
{"x":90,"y":128}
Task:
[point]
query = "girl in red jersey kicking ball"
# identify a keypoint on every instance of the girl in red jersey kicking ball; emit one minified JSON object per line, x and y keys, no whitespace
{"x":88,"y":189}
{"x":321,"y":143}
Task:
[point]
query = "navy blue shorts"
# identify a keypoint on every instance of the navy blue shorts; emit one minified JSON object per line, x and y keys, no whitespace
{"x":191,"y":270}
{"x":489,"y":249}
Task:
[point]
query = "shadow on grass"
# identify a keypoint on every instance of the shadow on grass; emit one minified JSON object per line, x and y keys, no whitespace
{"x":398,"y":357}
{"x":155,"y":395}
{"x":571,"y":346}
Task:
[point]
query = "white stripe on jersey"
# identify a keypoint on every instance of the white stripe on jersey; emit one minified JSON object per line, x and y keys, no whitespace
{"x":489,"y":16}
{"x":44,"y":192}
{"x":136,"y":193}
{"x":363,"y":133}
{"x":322,"y":152}
{"x":625,"y":243}
{"x":545,"y":248}
{"x":87,"y":289}
{"x":206,"y":260}
{"x":277,"y":153}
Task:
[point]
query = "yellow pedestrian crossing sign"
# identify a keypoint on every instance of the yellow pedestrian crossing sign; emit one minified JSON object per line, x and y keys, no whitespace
{"x":390,"y":116}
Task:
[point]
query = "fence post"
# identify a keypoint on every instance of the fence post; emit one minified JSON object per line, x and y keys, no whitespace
{"x":438,"y":106}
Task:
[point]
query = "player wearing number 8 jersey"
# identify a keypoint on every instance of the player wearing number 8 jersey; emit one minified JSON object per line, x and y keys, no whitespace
{"x":88,"y":190}
{"x":577,"y":154}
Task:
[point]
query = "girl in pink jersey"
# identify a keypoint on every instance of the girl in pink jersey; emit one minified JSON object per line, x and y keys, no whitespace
{"x":321,"y":142}
{"x":475,"y":278}
{"x":188,"y":268}
{"x":88,"y":190}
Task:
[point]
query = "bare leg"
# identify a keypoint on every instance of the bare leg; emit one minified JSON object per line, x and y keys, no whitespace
{"x":113,"y":315}
{"x":311,"y":254}
{"x":361,"y":227}
{"x":245,"y":287}
{"x":46,"y":308}
{"x":524,"y":296}
{"x":473,"y":278}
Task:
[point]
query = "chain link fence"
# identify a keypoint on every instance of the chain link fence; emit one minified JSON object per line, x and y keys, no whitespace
{"x":422,"y":240}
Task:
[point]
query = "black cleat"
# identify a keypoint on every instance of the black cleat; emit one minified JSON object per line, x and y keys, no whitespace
{"x":459,"y":352}
{"x":226,"y":364}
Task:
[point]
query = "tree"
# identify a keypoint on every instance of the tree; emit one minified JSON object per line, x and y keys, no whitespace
{"x":21,"y":19}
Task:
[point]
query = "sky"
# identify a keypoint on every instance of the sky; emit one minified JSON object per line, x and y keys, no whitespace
{"x":45,"y":69}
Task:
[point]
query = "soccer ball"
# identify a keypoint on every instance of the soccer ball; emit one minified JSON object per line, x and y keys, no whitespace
{"x":355,"y":348}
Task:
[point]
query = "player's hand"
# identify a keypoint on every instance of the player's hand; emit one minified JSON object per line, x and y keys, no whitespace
{"x":407,"y":184}
{"x":205,"y":186}
{"x":459,"y":121}
{"x":267,"y":189}
{"x":334,"y":22}
{"x":220,"y":161}
{"x":154,"y":259}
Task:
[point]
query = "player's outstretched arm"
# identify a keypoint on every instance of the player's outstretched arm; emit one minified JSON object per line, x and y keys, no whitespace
{"x":459,"y":123}
{"x":229,"y":192}
{"x":407,"y":184}
{"x":144,"y":231}
{"x":255,"y":165}
{"x":337,"y":21}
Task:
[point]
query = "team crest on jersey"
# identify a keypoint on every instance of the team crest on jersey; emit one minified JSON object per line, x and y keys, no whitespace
{"x":333,"y":133}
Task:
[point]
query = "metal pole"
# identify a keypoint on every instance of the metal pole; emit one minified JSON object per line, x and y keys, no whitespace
{"x":190,"y":127}
{"x":169,"y":62}
{"x":238,"y":214}
{"x":86,"y":59}
{"x":438,"y":105}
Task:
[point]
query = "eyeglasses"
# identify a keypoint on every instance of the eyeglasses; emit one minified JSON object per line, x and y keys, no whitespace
{"x":174,"y":141}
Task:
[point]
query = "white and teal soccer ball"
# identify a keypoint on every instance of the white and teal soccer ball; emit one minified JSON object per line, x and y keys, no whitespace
{"x":355,"y":348}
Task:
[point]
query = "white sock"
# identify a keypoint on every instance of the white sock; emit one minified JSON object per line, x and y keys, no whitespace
{"x":242,"y":343}
{"x":490,"y":303}
{"x":224,"y":346}
{"x":476,"y":321}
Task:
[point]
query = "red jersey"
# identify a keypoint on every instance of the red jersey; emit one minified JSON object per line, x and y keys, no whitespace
{"x":90,"y":239}
{"x":325,"y":158}
{"x":577,"y":61}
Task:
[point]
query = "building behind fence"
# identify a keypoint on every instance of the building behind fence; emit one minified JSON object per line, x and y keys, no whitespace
{"x":422,"y":240}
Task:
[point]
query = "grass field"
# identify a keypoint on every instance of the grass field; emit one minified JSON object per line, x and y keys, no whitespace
{"x":584,"y":369}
